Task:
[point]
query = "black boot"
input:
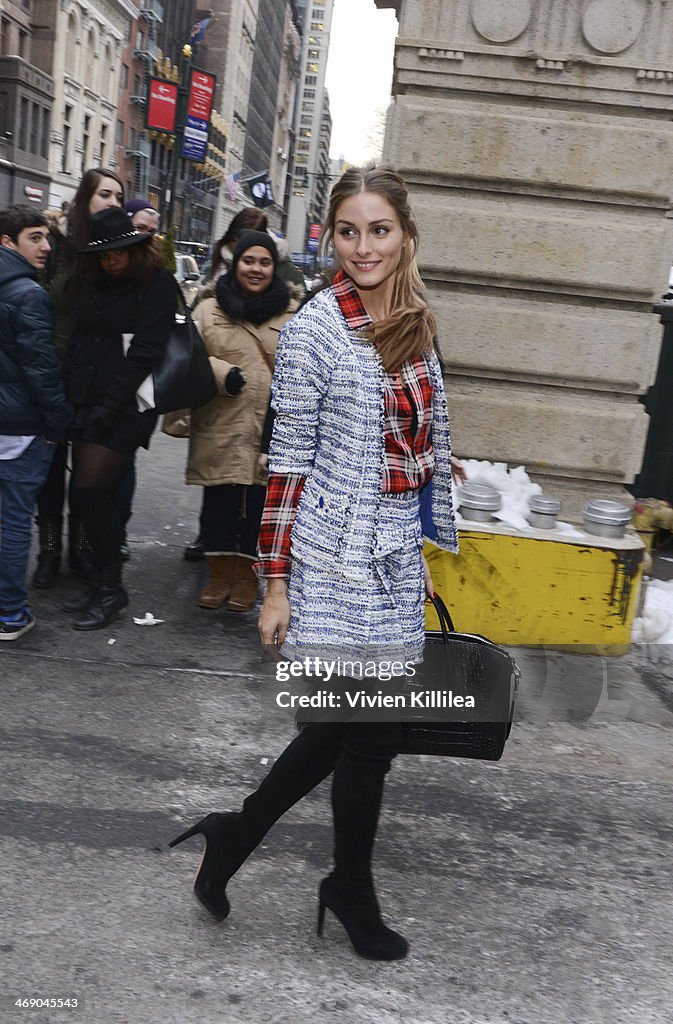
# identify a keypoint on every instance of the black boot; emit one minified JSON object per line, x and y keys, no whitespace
{"x":49,"y":558}
{"x":357,"y":791}
{"x":196,"y":551}
{"x":79,"y":550}
{"x":109,"y":599}
{"x":231,"y":838}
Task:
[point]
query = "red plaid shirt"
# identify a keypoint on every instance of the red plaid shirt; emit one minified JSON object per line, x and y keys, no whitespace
{"x":408,"y":457}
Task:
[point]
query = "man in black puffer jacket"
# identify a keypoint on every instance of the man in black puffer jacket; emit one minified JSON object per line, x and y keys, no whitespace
{"x":33,"y":409}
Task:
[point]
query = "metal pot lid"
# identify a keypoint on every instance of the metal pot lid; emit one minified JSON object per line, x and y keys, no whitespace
{"x":545,"y":503}
{"x":610,"y":513}
{"x":479,"y":496}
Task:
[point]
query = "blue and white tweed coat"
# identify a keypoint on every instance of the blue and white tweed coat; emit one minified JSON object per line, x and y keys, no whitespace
{"x":329,"y":401}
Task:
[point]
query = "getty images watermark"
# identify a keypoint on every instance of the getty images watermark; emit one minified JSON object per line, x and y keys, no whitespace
{"x":344,"y":674}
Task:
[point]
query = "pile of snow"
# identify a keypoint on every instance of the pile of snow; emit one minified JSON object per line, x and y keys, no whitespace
{"x":656,"y":622}
{"x":516,"y":489}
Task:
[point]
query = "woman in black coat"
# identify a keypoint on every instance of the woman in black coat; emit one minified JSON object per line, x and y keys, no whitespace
{"x":126,"y":312}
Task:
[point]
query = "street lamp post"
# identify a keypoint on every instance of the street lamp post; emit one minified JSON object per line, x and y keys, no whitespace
{"x":179,"y":130}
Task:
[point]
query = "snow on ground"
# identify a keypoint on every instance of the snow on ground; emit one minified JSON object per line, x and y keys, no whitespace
{"x":656,"y":623}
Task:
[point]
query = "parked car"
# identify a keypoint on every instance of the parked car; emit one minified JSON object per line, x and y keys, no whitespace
{"x":187,"y":275}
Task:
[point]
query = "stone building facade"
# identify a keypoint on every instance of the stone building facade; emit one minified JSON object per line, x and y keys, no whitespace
{"x":89,"y":37}
{"x":537,"y":138}
{"x":307,"y":196}
{"x":25,"y":108}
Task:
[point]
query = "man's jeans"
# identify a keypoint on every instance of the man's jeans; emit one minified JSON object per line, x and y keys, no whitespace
{"x":21,"y":480}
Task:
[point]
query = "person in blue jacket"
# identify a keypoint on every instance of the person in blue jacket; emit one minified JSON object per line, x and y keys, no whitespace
{"x":33,"y":409}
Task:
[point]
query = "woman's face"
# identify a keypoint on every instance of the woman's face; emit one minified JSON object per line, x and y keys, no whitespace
{"x":108,"y":193}
{"x":114,"y":262}
{"x":254,"y":270}
{"x":368,"y":240}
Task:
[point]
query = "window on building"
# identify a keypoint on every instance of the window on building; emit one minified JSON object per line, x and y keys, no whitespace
{"x":103,"y":145}
{"x":303,"y":146}
{"x":86,"y":136}
{"x":310,"y":95}
{"x":67,"y":131}
{"x":137,"y":89}
{"x":319,"y":13}
{"x":315,"y":68}
{"x":306,"y":119}
{"x":23,"y":126}
{"x":317,"y":26}
{"x":119,"y":138}
{"x":132,"y":138}
{"x":305,"y":133}
{"x":71,"y":49}
{"x":313,"y":54}
{"x":91,"y":60}
{"x":124,"y":77}
{"x":140,"y":41}
{"x":44,"y":142}
{"x":23,"y":44}
{"x":4,"y":35}
{"x":310,"y":80}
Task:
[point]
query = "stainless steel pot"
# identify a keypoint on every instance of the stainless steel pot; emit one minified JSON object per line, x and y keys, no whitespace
{"x":606,"y":518}
{"x":544,"y":509}
{"x":478,"y":502}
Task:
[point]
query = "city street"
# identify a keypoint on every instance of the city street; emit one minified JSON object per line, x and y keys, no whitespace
{"x":532,"y":891}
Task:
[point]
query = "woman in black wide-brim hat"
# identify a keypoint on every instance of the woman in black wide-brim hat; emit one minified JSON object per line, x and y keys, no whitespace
{"x":126,"y":312}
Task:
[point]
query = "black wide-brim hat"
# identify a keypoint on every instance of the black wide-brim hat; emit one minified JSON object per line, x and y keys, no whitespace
{"x":112,"y":229}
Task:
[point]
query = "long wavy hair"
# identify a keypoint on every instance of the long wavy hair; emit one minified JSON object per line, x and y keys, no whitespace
{"x":408,"y":330}
{"x":79,"y":218}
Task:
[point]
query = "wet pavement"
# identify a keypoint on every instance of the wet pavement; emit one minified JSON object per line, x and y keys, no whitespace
{"x":533,"y":891}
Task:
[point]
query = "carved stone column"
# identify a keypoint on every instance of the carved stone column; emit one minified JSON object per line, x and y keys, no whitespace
{"x":537,"y":138}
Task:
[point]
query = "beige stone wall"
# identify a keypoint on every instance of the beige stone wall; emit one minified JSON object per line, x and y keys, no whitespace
{"x":537,"y":139}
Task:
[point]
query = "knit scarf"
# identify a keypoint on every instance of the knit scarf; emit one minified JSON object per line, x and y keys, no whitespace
{"x":255,"y":309}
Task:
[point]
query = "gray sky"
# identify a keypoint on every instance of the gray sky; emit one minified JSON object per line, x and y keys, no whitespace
{"x":359,"y":75}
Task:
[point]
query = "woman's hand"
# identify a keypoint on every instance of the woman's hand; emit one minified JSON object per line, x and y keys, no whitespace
{"x":458,"y":471}
{"x":263,"y":462}
{"x":429,"y":585}
{"x":274,"y":617}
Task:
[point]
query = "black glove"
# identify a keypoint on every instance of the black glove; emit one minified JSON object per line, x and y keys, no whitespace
{"x":234,"y":382}
{"x":103,"y":419}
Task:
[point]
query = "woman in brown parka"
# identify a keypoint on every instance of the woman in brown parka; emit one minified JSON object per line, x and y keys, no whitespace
{"x":240,"y":327}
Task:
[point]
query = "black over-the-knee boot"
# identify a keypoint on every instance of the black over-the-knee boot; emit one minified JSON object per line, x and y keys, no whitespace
{"x":231,"y":838}
{"x":357,"y":791}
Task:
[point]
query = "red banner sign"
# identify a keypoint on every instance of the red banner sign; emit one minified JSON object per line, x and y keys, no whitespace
{"x":201,"y":94}
{"x":162,"y":105}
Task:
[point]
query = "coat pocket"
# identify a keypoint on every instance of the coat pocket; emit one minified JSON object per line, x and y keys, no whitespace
{"x":320,"y":525}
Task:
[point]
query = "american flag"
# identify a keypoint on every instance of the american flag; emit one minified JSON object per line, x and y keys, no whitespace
{"x":231,"y":181}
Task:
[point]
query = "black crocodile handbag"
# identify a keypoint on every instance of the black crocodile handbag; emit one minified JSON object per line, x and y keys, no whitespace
{"x":458,"y":667}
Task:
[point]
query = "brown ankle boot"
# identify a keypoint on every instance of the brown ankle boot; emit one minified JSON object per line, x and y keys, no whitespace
{"x":244,"y":591}
{"x":220,"y":581}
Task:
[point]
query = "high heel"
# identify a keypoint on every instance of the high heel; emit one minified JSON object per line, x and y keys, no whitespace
{"x":322,"y":906}
{"x":222,"y":857}
{"x":359,"y":913}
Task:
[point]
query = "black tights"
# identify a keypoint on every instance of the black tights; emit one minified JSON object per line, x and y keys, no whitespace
{"x":97,"y":472}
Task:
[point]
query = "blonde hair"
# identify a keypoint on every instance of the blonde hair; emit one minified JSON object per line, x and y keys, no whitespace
{"x":408,"y":330}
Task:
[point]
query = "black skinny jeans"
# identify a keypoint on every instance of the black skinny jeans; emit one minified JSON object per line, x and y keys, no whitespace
{"x":231,"y":517}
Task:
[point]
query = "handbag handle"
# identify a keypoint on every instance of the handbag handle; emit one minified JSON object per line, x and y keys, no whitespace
{"x":445,"y":621}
